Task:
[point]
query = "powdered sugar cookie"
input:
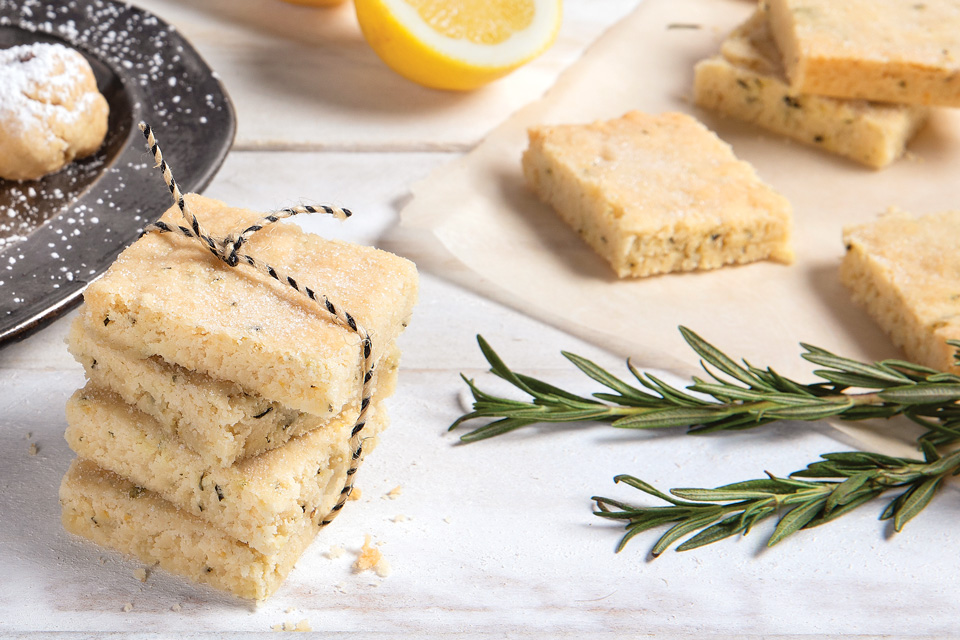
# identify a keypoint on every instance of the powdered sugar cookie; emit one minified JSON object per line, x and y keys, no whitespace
{"x":50,"y":110}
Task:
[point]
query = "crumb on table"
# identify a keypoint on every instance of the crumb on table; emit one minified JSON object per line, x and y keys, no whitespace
{"x":370,"y":558}
{"x":303,"y":625}
{"x":394,"y":493}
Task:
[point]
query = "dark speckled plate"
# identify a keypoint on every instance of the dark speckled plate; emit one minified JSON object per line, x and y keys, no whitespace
{"x":59,"y":233}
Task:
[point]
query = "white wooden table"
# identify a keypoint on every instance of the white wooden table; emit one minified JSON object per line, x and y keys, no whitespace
{"x":493,"y":538}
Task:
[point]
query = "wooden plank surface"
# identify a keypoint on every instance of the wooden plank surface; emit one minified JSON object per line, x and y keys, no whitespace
{"x":496,"y":538}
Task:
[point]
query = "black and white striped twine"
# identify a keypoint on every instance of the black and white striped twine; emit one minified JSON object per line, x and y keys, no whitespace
{"x":227,"y":250}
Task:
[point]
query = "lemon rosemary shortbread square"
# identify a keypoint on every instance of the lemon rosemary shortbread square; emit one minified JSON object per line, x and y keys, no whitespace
{"x":747,"y":81}
{"x":655,"y":194}
{"x":900,"y":51}
{"x":116,"y":513}
{"x":167,"y":296}
{"x":262,"y":501}
{"x":905,"y":270}
{"x":215,"y":418}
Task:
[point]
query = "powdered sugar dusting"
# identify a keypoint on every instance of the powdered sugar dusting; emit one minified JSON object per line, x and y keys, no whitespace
{"x":38,"y":83}
{"x":58,"y":233}
{"x":132,"y":41}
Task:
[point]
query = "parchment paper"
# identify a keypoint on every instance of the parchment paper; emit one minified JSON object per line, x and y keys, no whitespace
{"x":475,"y":222}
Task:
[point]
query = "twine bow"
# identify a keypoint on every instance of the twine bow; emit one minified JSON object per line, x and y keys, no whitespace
{"x":228,"y":251}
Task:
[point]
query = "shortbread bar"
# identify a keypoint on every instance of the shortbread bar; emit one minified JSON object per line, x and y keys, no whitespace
{"x":747,"y":82}
{"x":655,"y":194}
{"x":263,"y":501}
{"x":167,"y":296}
{"x":900,"y":51}
{"x":215,"y":418}
{"x":904,"y":270}
{"x":116,"y":513}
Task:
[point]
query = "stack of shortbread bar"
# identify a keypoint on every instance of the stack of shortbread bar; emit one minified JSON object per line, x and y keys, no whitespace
{"x":854,"y":77}
{"x":213,"y":433}
{"x":857,"y":77}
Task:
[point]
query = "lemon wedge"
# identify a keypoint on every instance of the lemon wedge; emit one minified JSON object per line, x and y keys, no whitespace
{"x":458,"y":45}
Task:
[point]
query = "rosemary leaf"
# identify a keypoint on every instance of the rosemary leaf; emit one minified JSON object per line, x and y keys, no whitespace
{"x":917,"y":498}
{"x":927,"y":394}
{"x":682,"y":528}
{"x":794,"y":520}
{"x":672,"y":417}
{"x":862,"y":498}
{"x":604,"y":377}
{"x":727,"y":527}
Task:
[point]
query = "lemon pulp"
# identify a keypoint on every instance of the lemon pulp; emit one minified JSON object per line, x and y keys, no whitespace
{"x":477,"y":21}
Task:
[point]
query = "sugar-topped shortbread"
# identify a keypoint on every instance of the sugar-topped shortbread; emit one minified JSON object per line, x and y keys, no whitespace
{"x":115,"y":512}
{"x":901,"y":51}
{"x":167,"y":296}
{"x":657,"y":193}
{"x":221,"y":425}
{"x":747,"y":81}
{"x":261,"y":501}
{"x":905,"y":270}
{"x":51,"y":111}
{"x":216,"y":419}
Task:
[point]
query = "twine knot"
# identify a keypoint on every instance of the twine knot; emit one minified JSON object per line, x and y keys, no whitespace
{"x":229,"y":250}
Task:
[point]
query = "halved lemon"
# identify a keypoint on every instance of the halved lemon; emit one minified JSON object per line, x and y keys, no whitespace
{"x":460,"y":44}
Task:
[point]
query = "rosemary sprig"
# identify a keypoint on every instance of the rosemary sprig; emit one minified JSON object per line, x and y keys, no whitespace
{"x":734,"y":396}
{"x":740,"y":397}
{"x":822,"y":492}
